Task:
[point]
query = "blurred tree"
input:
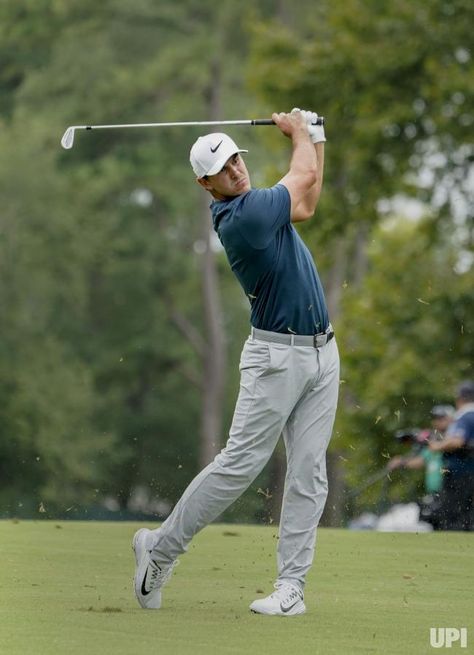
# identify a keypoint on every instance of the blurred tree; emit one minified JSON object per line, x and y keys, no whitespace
{"x":106,"y":253}
{"x":395,"y":83}
{"x":413,"y":343}
{"x":50,"y":448}
{"x":123,"y":264}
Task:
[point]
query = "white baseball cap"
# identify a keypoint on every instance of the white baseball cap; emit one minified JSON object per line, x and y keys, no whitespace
{"x":210,"y":153}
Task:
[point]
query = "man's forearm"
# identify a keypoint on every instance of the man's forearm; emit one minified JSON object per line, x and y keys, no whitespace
{"x":319,"y":147}
{"x":302,"y":175}
{"x":312,"y":197}
{"x":304,"y":156}
{"x":447,"y":445}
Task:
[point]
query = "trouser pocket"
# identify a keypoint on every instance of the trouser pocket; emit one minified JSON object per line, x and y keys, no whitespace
{"x":255,"y":357}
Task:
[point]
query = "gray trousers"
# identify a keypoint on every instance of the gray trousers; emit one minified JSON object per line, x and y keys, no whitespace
{"x":283,"y":389}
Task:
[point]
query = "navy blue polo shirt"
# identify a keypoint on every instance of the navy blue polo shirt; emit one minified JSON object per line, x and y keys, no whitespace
{"x":271,"y":262}
{"x":462,"y":460}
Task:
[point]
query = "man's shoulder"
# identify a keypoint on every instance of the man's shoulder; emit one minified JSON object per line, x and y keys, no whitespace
{"x":464,"y":423}
{"x":265,"y":193}
{"x":254,"y":217}
{"x":222,"y":210}
{"x":251,"y":203}
{"x":268,"y":200}
{"x":465,"y":414}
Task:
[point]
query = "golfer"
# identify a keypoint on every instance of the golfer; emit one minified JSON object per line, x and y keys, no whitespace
{"x":289,"y":365}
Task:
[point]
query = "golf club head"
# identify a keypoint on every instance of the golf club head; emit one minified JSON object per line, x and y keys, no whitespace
{"x":68,"y":138}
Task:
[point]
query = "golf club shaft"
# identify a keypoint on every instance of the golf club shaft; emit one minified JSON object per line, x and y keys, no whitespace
{"x":68,"y":138}
{"x":379,"y":475}
{"x":255,"y":121}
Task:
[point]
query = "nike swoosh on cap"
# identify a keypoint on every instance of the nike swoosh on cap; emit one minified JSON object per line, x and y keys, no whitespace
{"x":215,"y":149}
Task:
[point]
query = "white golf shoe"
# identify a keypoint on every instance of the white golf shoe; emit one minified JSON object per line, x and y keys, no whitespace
{"x":149,"y":576}
{"x":286,"y":600}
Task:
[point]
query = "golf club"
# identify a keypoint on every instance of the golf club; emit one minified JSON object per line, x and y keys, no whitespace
{"x":67,"y":141}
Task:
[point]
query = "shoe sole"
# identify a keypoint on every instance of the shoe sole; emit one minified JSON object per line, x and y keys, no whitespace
{"x":297,"y":610}
{"x":135,"y":539}
{"x":138,"y":552}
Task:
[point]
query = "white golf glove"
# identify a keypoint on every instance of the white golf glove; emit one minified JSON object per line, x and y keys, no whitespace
{"x":316,"y":132}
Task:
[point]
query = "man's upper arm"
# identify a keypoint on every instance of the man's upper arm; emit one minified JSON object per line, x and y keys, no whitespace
{"x":298,"y":186}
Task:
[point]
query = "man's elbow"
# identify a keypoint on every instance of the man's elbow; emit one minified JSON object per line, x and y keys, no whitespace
{"x":453,"y":443}
{"x":311,"y":177}
{"x":302,"y":213}
{"x":307,"y":208}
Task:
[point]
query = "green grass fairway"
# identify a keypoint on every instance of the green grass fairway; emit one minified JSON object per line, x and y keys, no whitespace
{"x":65,"y":589}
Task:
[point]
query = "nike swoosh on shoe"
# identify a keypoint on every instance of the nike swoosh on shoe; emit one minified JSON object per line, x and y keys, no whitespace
{"x":287,"y":609}
{"x":144,"y":590}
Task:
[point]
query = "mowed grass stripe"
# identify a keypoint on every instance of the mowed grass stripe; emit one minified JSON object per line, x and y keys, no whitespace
{"x":66,"y":589}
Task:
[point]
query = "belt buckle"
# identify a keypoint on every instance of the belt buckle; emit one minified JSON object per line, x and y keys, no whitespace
{"x":322,"y":339}
{"x":316,"y":342}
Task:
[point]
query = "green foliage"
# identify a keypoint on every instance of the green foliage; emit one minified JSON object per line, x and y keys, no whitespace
{"x":393,"y":79}
{"x":99,"y":389}
{"x":395,"y":82}
{"x":406,"y":339}
{"x":100,"y":246}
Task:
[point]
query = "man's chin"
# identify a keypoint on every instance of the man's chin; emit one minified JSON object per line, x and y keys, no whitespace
{"x":243,"y":187}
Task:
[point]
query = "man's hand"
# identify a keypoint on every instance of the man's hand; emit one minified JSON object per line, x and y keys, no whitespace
{"x":395,"y":463}
{"x":316,"y":132}
{"x":303,"y":179}
{"x":291,"y":124}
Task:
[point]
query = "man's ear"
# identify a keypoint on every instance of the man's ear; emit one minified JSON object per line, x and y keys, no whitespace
{"x":202,"y":181}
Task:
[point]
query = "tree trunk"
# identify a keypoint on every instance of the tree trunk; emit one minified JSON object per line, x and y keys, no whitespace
{"x":334,"y":511}
{"x":333,"y":514}
{"x":214,"y":359}
{"x":360,"y":254}
{"x":336,"y":277}
{"x":214,"y":353}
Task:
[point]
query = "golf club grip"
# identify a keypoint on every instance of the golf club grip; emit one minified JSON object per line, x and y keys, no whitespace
{"x":269,"y":121}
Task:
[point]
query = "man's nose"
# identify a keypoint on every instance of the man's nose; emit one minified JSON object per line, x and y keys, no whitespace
{"x":233,"y":170}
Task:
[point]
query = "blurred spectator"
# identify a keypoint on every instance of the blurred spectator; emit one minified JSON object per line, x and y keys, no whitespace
{"x":457,"y":504}
{"x":422,"y":456}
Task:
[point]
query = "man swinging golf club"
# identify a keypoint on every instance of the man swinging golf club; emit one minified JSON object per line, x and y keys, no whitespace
{"x":289,"y":365}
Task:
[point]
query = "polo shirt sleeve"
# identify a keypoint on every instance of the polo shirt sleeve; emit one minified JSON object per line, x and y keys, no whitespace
{"x":263,"y":212}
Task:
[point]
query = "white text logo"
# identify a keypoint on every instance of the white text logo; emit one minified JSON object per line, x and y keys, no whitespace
{"x":446,"y":637}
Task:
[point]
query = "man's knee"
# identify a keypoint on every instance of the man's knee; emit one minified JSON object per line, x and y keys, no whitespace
{"x":245,"y":465}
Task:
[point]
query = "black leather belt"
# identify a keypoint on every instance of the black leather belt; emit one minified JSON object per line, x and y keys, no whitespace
{"x":314,"y":340}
